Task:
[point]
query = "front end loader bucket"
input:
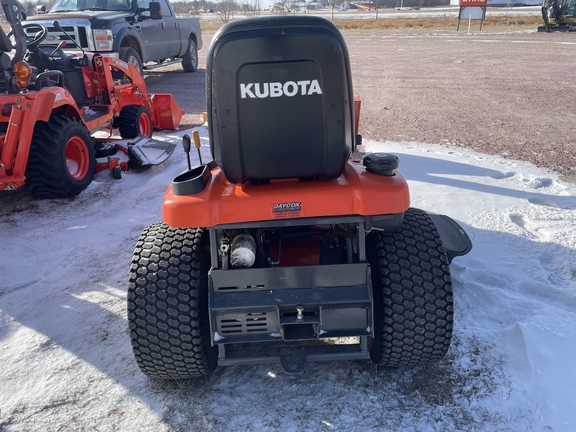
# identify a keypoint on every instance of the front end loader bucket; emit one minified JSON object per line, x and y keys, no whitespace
{"x":166,"y":111}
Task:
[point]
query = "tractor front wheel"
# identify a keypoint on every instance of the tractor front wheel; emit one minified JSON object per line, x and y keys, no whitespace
{"x":413,"y":303}
{"x":133,"y":121}
{"x":168,"y":303}
{"x":61,"y":161}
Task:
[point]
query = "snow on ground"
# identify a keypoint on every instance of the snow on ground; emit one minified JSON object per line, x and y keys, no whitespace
{"x":67,"y":365}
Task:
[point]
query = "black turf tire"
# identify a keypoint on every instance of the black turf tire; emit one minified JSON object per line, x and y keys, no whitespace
{"x":190,"y":58}
{"x":129,"y":121}
{"x":47,"y":173}
{"x":131,"y":56}
{"x":168,"y":303}
{"x":413,"y":302}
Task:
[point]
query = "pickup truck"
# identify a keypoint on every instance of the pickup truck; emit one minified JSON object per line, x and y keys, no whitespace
{"x":144,"y":33}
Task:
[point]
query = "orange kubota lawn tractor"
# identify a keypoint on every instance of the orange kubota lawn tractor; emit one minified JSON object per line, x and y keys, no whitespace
{"x":289,"y":246}
{"x":51,"y":104}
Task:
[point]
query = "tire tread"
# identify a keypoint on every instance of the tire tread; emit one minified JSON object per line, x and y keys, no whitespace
{"x":128,"y":121}
{"x":46,"y":172}
{"x":413,"y":298}
{"x":167,"y":303}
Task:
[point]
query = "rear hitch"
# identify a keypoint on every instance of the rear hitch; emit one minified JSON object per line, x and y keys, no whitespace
{"x":294,"y":361}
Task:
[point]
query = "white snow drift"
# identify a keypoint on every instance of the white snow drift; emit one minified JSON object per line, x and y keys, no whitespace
{"x":66,"y":361}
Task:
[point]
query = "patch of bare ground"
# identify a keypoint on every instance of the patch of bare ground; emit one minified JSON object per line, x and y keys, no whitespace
{"x":497,"y":92}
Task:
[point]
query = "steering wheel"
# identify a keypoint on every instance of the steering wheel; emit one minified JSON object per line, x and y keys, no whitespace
{"x":32,"y":42}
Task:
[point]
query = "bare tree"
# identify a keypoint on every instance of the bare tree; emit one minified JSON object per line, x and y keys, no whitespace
{"x":333,"y":4}
{"x":194,"y":10}
{"x":251,"y":8}
{"x":509,"y":6}
{"x":282,"y":6}
{"x":377,"y":4}
{"x":29,"y":8}
{"x":193,"y":7}
{"x":226,"y":10}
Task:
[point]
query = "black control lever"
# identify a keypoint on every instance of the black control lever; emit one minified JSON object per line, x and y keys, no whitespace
{"x":57,"y":25}
{"x":187,"y":144}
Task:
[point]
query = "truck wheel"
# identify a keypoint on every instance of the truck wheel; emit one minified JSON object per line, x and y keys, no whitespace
{"x":61,"y":161}
{"x":133,"y":121}
{"x":190,"y":58}
{"x":413,"y":304}
{"x":168,"y":303}
{"x":131,"y":56}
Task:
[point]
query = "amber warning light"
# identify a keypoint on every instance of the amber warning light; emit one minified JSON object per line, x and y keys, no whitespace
{"x":22,"y":74}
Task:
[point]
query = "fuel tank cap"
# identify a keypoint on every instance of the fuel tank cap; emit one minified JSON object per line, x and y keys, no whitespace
{"x":380,"y":163}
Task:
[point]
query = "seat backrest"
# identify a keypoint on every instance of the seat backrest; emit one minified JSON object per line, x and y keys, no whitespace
{"x":279,"y":98}
{"x":5,"y":44}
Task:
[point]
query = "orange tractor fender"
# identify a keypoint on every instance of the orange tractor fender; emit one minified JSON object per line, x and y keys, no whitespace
{"x":23,"y":112}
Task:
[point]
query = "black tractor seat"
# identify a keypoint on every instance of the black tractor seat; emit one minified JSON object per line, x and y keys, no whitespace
{"x":280,"y":99}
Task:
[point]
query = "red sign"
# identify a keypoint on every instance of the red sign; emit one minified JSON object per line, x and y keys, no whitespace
{"x":473,"y":3}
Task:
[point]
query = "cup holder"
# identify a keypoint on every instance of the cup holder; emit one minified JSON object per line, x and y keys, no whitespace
{"x":192,"y":181}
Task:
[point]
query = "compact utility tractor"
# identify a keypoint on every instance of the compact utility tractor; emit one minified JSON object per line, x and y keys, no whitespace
{"x":289,"y":246}
{"x":51,"y":104}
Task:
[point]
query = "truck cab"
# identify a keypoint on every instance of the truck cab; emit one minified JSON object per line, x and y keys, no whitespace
{"x":143,"y":33}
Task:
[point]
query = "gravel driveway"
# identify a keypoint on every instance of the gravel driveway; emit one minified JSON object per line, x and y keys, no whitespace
{"x":506,"y":94}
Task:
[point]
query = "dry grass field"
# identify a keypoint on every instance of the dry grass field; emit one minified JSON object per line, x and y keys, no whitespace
{"x":440,"y":25}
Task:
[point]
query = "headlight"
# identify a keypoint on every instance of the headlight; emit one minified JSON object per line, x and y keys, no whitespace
{"x":22,"y":74}
{"x":103,"y":40}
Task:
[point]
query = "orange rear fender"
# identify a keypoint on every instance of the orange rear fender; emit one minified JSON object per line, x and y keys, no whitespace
{"x":355,"y":192}
{"x":39,"y":105}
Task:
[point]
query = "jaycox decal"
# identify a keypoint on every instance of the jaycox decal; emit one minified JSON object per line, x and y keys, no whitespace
{"x":277,"y":89}
{"x":287,"y":210}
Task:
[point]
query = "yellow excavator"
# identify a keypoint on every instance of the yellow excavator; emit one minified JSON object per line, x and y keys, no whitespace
{"x":559,"y":15}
